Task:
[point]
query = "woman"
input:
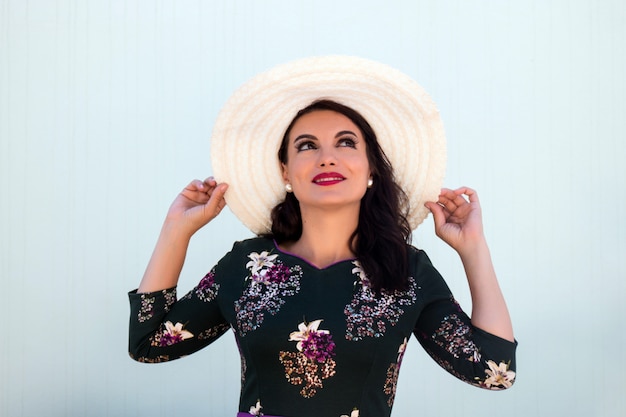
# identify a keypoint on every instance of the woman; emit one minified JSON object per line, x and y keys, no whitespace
{"x":323,"y":303}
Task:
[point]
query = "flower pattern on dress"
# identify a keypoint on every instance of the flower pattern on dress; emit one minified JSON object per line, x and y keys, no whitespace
{"x":499,"y":376}
{"x":172,"y":334}
{"x":308,"y":362}
{"x":156,"y":359}
{"x":368,"y":314}
{"x":313,"y":362}
{"x":260,"y":262}
{"x":207,"y":288}
{"x":270,"y":283}
{"x":170,"y":298}
{"x":213,"y":332}
{"x":146,"y":311}
{"x":315,"y":344}
{"x":456,"y":338}
{"x":255,"y":410}
{"x":360,"y":272}
{"x":391,"y":382}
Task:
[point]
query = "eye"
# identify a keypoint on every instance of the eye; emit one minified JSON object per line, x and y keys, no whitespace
{"x":305,"y":145}
{"x":347,"y":142}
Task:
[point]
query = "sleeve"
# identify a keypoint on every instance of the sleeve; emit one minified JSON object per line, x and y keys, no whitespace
{"x":163,"y":329}
{"x":447,"y":334}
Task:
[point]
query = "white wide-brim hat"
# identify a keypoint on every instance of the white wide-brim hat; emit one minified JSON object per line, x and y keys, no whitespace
{"x":249,"y":129}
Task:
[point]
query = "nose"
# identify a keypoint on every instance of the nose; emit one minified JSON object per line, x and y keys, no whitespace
{"x":327,"y":157}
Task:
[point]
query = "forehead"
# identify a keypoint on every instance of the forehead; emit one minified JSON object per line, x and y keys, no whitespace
{"x":323,"y":122}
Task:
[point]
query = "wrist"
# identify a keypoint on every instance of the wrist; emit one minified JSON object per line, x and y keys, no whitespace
{"x":473,"y":248}
{"x":174,"y":233}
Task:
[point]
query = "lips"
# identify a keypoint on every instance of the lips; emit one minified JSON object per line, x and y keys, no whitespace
{"x":328,"y":178}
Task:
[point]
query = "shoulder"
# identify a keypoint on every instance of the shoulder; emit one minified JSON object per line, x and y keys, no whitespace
{"x":235,"y":260}
{"x":424,"y":272}
{"x":418,"y":258}
{"x":242,"y":250}
{"x":254,"y":244}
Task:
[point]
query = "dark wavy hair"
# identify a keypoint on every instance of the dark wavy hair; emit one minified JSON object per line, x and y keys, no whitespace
{"x":380,"y":239}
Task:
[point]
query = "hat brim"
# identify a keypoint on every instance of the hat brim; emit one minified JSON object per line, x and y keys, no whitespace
{"x":252,"y":123}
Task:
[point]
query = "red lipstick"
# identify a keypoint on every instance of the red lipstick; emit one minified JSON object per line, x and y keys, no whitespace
{"x":328,"y":178}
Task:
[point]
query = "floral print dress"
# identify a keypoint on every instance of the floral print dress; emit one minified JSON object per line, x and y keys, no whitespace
{"x":317,"y":342}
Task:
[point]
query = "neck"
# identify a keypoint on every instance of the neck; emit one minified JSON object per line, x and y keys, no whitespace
{"x":325,"y":236}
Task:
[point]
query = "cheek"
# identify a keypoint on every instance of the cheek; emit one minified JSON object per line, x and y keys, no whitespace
{"x":361,"y":163}
{"x":299,"y":164}
{"x":292,"y":170}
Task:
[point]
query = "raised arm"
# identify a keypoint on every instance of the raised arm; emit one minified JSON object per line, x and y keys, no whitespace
{"x":194,"y":207}
{"x":458,"y":222}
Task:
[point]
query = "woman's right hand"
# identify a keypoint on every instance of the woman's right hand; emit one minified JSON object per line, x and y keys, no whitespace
{"x":194,"y":207}
{"x":199,"y":203}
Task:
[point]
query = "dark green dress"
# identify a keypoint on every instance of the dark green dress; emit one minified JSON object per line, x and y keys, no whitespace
{"x":317,"y":342}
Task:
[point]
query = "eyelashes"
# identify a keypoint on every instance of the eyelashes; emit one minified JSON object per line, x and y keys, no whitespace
{"x":305,"y":145}
{"x":345,"y":142}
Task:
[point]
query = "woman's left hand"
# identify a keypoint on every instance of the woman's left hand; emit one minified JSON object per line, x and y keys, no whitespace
{"x":457,"y":216}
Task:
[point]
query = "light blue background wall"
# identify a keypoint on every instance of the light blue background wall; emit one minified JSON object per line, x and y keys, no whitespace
{"x":106,"y":109}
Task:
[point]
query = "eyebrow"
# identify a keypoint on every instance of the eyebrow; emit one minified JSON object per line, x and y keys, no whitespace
{"x":309,"y":136}
{"x":345,"y":132}
{"x":304,"y":136}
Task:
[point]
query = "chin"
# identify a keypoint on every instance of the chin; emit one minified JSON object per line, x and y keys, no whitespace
{"x":331,"y":202}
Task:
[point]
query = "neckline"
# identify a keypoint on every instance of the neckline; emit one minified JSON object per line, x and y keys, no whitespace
{"x":284,"y":252}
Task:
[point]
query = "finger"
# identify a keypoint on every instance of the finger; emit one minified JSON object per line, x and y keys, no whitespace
{"x":447,"y":198}
{"x":447,"y":193}
{"x":195,"y":185}
{"x":471,"y":194}
{"x":197,"y":191}
{"x":203,"y":186}
{"x":460,"y":199}
{"x":207,"y":185}
{"x":214,"y":185}
{"x":455,"y":199}
{"x":439,"y":216}
{"x":217,"y":201}
{"x":210,"y":182}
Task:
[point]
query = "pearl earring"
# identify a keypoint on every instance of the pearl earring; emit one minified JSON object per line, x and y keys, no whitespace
{"x":288,"y":188}
{"x":370,"y":182}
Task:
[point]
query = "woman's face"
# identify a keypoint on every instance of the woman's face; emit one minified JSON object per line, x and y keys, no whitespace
{"x":327,"y":164}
